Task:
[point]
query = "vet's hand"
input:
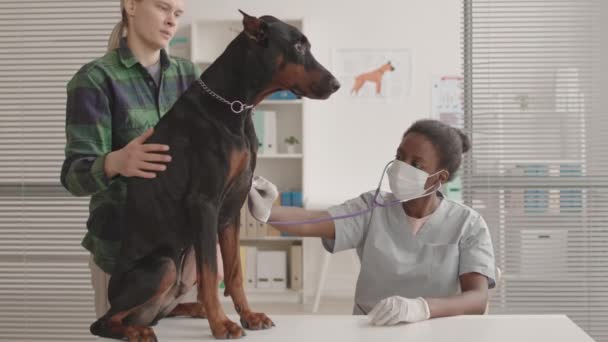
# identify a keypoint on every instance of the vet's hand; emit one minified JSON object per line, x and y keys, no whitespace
{"x":393,"y":310}
{"x":137,"y":159}
{"x":261,"y":197}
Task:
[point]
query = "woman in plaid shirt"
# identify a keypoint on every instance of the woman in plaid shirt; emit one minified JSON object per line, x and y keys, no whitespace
{"x":113,"y":103}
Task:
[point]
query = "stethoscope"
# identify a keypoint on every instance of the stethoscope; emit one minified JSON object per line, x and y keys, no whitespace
{"x":375,"y":204}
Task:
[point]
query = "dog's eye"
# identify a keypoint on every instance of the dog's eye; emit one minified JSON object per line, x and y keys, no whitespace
{"x":300,"y":48}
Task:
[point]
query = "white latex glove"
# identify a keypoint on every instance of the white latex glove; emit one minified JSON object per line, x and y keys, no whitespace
{"x":261,"y":197}
{"x":393,"y":310}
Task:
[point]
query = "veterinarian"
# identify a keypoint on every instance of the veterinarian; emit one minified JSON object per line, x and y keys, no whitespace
{"x":422,"y":258}
{"x":112,"y":104}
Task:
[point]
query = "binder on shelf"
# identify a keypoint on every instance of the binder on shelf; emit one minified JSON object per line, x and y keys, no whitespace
{"x":252,"y":224}
{"x":272,"y":270}
{"x":252,"y":268}
{"x":261,"y":229}
{"x":265,"y":125}
{"x":286,"y":198}
{"x":296,"y":199}
{"x":270,"y":230}
{"x":258,"y":126}
{"x":291,"y":198}
{"x":296,"y":267}
{"x":283,"y":95}
{"x":243,"y":221}
{"x":243,"y":258}
{"x":270,"y":132}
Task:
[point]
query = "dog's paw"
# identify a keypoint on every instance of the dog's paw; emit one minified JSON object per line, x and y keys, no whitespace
{"x":227,"y":330}
{"x":256,"y":321}
{"x":140,"y":334}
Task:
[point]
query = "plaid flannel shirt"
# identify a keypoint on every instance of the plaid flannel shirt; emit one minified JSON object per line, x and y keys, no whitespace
{"x":111,"y":101}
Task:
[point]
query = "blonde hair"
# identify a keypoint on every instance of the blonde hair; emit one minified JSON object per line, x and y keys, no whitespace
{"x":119,"y":30}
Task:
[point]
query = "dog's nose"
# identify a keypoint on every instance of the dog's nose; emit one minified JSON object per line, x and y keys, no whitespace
{"x":334,"y":85}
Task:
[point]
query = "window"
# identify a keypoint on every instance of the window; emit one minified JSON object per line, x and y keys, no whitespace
{"x":45,"y":291}
{"x":538,"y":168}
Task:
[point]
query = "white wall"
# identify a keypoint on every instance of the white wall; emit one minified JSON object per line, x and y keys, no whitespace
{"x":349,"y":142}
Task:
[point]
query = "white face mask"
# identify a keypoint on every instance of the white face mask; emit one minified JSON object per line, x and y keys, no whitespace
{"x":407,"y":182}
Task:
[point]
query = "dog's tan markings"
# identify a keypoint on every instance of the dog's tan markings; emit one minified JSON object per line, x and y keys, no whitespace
{"x":189,"y":277}
{"x":292,"y":72}
{"x":208,"y":296}
{"x":136,"y":332}
{"x":274,"y":85}
{"x":230,"y":247}
{"x":303,"y":79}
{"x":279,"y":61}
{"x":239,"y":160}
{"x":221,"y":326}
{"x":196,"y":310}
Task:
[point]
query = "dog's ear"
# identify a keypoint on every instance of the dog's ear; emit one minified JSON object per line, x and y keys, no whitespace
{"x":254,"y":28}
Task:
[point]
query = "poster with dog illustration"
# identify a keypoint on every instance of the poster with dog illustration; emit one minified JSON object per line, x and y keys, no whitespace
{"x":373,"y":73}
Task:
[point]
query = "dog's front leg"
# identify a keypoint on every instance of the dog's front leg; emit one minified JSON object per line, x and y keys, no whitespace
{"x":233,"y":278}
{"x":204,"y":223}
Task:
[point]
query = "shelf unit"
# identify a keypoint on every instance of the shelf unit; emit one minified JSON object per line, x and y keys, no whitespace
{"x":273,"y":238}
{"x":270,"y":295}
{"x":202,"y":42}
{"x":281,"y":156}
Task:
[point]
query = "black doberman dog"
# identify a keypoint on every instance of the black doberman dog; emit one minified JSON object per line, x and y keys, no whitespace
{"x":174,"y":220}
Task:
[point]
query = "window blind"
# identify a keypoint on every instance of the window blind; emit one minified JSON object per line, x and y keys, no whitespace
{"x":45,"y":291}
{"x":538,"y":168}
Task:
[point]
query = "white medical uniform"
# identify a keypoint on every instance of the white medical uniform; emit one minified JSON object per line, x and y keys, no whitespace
{"x":453,"y":241}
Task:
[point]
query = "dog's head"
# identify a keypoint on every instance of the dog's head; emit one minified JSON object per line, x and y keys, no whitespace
{"x":281,"y":54}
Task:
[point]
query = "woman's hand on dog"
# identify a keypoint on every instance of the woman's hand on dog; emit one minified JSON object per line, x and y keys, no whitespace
{"x":137,"y":159}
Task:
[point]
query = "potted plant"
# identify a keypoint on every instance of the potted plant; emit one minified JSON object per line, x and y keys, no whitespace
{"x":291,"y":142}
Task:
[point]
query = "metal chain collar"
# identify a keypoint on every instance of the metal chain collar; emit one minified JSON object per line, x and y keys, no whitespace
{"x":236,"y":106}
